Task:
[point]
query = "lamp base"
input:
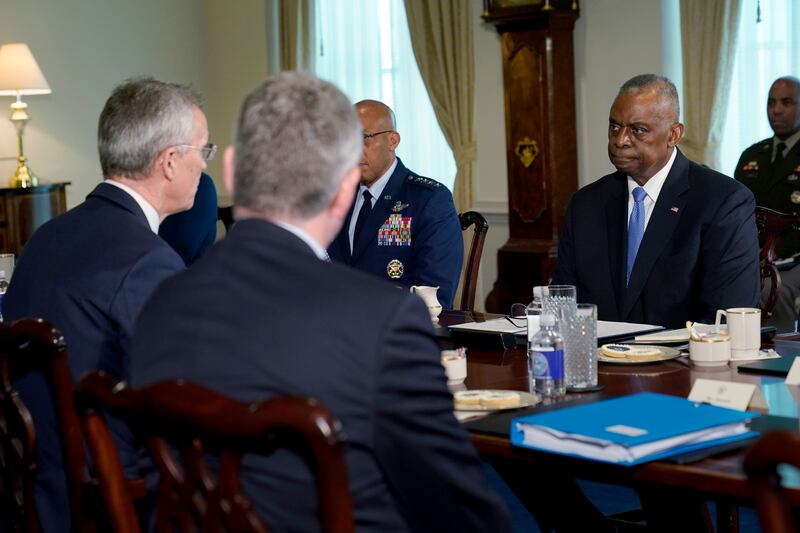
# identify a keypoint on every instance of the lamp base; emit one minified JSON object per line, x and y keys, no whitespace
{"x":23,"y":177}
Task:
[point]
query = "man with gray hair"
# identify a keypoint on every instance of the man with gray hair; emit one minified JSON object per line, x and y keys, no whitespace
{"x":662,"y":240}
{"x":90,"y":270}
{"x":266,"y":314}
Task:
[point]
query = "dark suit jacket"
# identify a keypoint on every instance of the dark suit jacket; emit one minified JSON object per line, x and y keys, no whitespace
{"x":435,"y":250}
{"x":88,"y":272}
{"x":699,"y":252}
{"x":260,"y":315}
{"x":773,"y":185}
{"x":191,"y":233}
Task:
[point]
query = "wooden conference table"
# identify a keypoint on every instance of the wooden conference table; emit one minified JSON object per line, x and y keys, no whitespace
{"x":719,"y":478}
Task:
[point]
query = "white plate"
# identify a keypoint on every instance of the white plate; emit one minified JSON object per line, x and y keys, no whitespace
{"x":526,"y":399}
{"x":667,"y":353}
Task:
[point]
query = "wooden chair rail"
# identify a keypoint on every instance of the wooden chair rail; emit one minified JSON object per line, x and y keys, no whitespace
{"x":481,"y":227}
{"x":771,"y":225}
{"x":194,"y":420}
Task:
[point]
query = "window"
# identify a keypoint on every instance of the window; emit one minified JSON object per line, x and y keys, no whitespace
{"x":765,"y":51}
{"x":364,"y":47}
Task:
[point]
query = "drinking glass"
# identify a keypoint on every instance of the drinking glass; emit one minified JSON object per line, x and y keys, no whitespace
{"x":7,"y":266}
{"x":556,"y":299}
{"x":580,"y":334}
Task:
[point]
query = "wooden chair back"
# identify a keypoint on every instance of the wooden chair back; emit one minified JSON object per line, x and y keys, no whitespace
{"x":761,"y":464}
{"x":176,"y":416}
{"x":225,"y":215}
{"x":771,"y":225}
{"x":481,"y":226}
{"x":27,"y":345}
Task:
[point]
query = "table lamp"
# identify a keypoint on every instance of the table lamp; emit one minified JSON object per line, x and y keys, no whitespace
{"x":20,"y":75}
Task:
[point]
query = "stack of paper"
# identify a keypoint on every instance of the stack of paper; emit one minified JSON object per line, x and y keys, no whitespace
{"x":495,"y":325}
{"x":631,"y":429}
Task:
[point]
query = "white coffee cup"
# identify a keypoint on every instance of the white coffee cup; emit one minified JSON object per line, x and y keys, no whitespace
{"x":710,"y":351}
{"x":455,"y":366}
{"x":744,"y":329}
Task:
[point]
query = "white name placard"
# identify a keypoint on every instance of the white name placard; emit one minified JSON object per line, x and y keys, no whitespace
{"x":727,"y":394}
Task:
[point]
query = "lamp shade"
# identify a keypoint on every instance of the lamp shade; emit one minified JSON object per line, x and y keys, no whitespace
{"x":19,"y":72}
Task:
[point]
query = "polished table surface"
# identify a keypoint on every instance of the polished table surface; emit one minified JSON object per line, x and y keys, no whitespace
{"x":719,"y":477}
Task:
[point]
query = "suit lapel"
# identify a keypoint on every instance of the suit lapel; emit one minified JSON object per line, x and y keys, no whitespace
{"x":616,"y":210}
{"x":666,"y":214}
{"x":380,"y":211}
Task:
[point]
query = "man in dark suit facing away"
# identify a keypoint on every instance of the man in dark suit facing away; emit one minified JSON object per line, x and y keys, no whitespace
{"x":90,"y":270}
{"x":662,"y":240}
{"x":263,"y":313}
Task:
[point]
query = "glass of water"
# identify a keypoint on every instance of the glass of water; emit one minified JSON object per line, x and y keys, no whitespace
{"x":580,"y":334}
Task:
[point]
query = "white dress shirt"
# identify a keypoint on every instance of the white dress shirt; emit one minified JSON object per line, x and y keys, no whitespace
{"x":150,"y":213}
{"x":652,"y":188}
{"x":318,"y":250}
{"x":375,"y":190}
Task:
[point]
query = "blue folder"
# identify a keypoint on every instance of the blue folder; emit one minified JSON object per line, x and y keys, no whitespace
{"x":621,"y":429}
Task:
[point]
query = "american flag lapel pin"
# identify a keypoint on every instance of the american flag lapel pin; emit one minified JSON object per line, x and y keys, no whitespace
{"x":673,"y":209}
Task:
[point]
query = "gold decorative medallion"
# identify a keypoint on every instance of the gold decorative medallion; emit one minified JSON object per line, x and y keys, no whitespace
{"x":795,"y":197}
{"x":394,"y":269}
{"x":527,"y":150}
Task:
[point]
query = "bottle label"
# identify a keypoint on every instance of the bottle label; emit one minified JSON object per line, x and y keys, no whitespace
{"x":548,"y":363}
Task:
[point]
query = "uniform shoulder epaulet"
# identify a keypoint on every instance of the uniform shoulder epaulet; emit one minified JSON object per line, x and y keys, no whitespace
{"x":423,"y":181}
{"x":764,"y":145}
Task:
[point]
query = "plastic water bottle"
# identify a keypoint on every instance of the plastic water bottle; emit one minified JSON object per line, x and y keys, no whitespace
{"x":532,"y":315}
{"x":546,"y":359}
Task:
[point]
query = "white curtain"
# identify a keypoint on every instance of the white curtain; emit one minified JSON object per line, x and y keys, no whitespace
{"x":364,"y":47}
{"x":708,"y":36}
{"x":766,"y":50}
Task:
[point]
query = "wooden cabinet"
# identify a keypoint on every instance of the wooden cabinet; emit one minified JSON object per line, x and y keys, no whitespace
{"x":22,"y":210}
{"x":539,"y":85}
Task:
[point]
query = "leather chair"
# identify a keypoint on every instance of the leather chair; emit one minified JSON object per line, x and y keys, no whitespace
{"x":771,"y":225}
{"x":34,"y":345}
{"x":177,"y":416}
{"x":225,"y":215}
{"x":761,"y":464}
{"x":472,"y":218}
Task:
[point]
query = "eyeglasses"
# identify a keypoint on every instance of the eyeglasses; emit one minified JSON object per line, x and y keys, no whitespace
{"x":207,"y":152}
{"x":368,"y":136}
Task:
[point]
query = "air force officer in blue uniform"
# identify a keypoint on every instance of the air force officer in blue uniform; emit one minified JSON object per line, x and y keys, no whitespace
{"x":408,"y":233}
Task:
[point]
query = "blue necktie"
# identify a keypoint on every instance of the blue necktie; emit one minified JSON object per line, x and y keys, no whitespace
{"x":635,"y":229}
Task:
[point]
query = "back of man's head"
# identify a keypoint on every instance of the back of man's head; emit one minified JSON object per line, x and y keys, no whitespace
{"x":141,"y":118}
{"x":296,"y":138}
{"x":661,"y":85}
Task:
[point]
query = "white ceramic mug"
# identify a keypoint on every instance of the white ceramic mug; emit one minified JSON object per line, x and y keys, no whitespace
{"x":744,"y":329}
{"x":455,"y":366}
{"x":710,"y":351}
